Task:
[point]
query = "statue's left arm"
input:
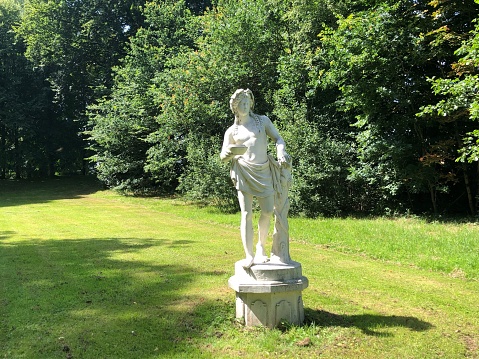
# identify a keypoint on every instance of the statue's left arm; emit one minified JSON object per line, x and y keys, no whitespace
{"x":281,"y":154}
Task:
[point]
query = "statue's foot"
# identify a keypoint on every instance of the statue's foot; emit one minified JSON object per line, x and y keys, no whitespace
{"x":247,"y":263}
{"x":261,"y":258}
{"x":260,"y":251}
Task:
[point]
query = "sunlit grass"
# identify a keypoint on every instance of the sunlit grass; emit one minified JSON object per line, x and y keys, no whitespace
{"x":86,"y":273}
{"x":452,"y":248}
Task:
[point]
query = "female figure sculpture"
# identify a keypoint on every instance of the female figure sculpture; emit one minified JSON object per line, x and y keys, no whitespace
{"x":257,"y":174}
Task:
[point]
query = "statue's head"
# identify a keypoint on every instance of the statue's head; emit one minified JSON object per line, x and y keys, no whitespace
{"x":238,"y":96}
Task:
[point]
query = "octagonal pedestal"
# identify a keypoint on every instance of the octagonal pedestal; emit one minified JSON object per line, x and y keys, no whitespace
{"x":268,"y":293}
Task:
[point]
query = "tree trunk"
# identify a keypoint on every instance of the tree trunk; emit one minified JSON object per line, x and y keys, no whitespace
{"x":470,"y":197}
{"x":3,"y":152}
{"x":17,"y":157}
{"x":51,"y":167}
{"x":432,"y":192}
{"x":477,"y":191}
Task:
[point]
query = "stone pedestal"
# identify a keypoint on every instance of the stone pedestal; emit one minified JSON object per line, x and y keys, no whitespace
{"x":268,"y":293}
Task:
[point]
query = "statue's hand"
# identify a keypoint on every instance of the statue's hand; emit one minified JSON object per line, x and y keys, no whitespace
{"x":226,"y":155}
{"x":283,"y":157}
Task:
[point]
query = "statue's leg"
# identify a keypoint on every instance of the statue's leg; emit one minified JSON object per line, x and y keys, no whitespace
{"x":266,"y":205}
{"x":246,"y":226}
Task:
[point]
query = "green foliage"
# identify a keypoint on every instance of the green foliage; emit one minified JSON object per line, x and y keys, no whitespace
{"x":379,"y":59}
{"x":80,"y":41}
{"x":206,"y":179}
{"x":123,"y":122}
{"x":236,"y":49}
{"x":346,"y":100}
{"x":147,"y":85}
{"x":459,"y":95}
{"x":373,"y":59}
{"x":171,"y":95}
{"x":76,"y":44}
{"x":454,"y":106}
{"x":33,"y":142}
{"x":320,"y":185}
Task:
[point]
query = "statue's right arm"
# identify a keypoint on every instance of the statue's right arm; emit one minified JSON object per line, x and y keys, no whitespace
{"x":226,"y":154}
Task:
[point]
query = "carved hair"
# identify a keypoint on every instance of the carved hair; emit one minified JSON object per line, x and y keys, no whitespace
{"x":237,"y":97}
{"x":235,"y":100}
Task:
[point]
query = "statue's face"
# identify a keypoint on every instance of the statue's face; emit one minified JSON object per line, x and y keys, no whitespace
{"x":244,"y":105}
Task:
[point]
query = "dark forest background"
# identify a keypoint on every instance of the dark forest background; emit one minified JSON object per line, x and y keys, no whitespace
{"x":377,"y":100}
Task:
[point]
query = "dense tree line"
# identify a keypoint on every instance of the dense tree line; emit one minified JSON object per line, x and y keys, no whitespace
{"x":377,"y":100}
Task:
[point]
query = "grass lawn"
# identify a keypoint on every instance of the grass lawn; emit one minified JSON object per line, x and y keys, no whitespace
{"x":87,"y":273}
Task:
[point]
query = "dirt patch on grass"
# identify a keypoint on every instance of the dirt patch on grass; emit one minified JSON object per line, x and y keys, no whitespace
{"x":471,"y":344}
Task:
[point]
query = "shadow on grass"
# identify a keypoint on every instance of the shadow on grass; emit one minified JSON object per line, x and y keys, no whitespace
{"x":367,"y":323}
{"x":15,"y":193}
{"x":6,"y":234}
{"x":100,"y":298}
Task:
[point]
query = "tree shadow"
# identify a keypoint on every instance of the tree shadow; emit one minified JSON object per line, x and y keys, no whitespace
{"x":6,"y":234}
{"x":21,"y":192}
{"x":367,"y":323}
{"x":181,"y":243}
{"x":95,"y":298}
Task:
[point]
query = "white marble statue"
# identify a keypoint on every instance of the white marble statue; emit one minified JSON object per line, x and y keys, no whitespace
{"x":255,"y":173}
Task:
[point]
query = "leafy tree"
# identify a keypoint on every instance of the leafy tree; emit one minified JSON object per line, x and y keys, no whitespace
{"x":77,"y":43}
{"x":460,"y":104}
{"x":316,"y":134}
{"x":123,"y":122}
{"x":26,"y":149}
{"x":237,"y":48}
{"x":9,"y":58}
{"x":380,"y":59}
{"x":345,"y":101}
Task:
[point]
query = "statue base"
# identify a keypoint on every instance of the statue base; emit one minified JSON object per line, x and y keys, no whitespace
{"x":269,"y":293}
